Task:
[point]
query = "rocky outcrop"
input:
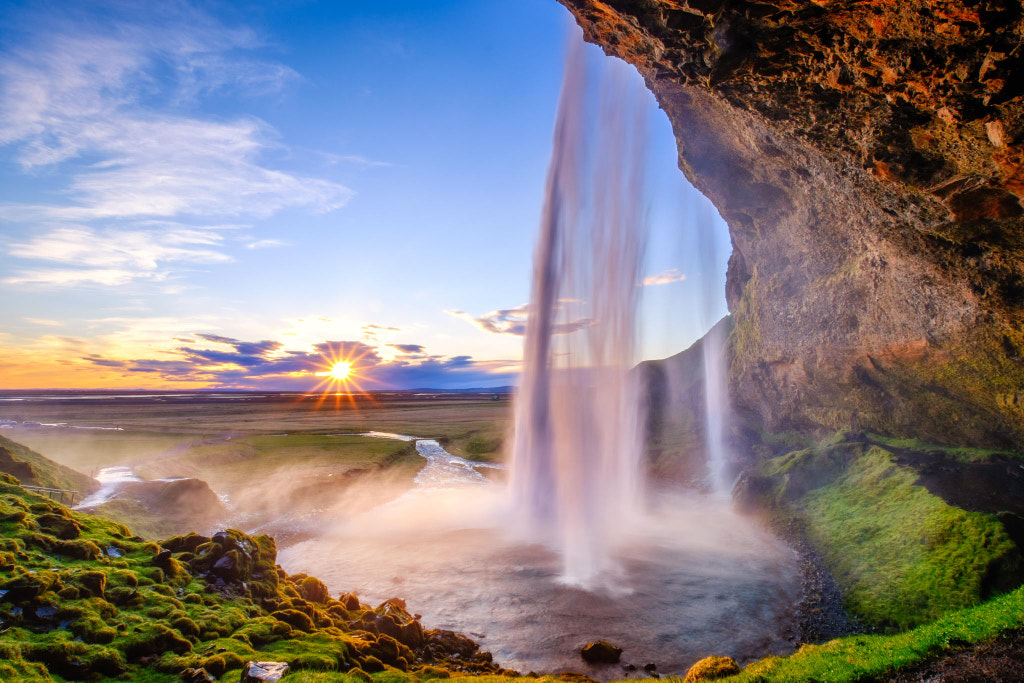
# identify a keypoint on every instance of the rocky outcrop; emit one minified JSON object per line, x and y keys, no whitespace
{"x":869,"y":160}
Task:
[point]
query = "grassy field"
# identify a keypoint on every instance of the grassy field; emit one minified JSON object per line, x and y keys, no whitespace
{"x":272,"y":456}
{"x":433,"y":416}
{"x":194,"y":432}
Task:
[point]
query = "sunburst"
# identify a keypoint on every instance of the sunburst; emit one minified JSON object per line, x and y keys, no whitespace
{"x":341,"y":374}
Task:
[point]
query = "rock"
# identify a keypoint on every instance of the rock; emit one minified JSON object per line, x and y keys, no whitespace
{"x":869,"y":161}
{"x":226,"y":567}
{"x":650,"y":668}
{"x":255,"y":672}
{"x":601,"y":652}
{"x":196,"y":676}
{"x":113,"y":552}
{"x":60,"y":526}
{"x":629,"y":667}
{"x":711,"y":668}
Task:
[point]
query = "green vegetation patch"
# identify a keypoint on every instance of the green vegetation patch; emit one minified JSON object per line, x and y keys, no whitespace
{"x":82,"y":598}
{"x":901,"y":555}
{"x":863,"y":657}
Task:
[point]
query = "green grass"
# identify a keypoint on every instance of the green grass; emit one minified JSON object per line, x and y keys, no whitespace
{"x":959,"y":453}
{"x":230,"y":466}
{"x":856,"y":658}
{"x":901,"y":555}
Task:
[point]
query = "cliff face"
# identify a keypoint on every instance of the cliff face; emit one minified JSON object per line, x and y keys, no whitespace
{"x":869,"y":160}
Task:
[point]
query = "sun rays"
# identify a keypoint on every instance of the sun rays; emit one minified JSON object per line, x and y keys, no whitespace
{"x":341,"y":374}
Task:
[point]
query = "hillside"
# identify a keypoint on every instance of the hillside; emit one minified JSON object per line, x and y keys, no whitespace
{"x":42,"y":471}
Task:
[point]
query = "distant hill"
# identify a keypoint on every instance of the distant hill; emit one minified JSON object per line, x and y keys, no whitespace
{"x":33,"y":469}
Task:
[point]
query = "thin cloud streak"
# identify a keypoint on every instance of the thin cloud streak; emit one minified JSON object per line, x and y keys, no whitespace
{"x":512,"y":321}
{"x":663,"y":278}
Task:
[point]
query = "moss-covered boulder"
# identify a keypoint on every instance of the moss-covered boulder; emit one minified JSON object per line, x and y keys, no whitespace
{"x":711,"y":668}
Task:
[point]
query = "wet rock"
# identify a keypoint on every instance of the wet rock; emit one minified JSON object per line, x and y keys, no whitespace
{"x":196,"y":676}
{"x":650,"y":668}
{"x":601,"y":652}
{"x":257,"y":672}
{"x":712,"y":668}
{"x":187,"y":543}
{"x":60,"y":526}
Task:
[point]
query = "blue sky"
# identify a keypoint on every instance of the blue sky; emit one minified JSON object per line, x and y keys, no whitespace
{"x":180,"y":183}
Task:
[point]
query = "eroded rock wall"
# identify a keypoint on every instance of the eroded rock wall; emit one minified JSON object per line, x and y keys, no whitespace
{"x":869,"y":160}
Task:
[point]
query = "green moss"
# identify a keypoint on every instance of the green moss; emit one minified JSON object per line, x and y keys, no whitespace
{"x":902,"y":556}
{"x":858,"y":658}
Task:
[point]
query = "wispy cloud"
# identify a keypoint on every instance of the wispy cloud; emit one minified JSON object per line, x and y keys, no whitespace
{"x":512,"y":321}
{"x":45,"y":322}
{"x":104,"y":105}
{"x":112,"y":256}
{"x":663,"y":278}
{"x":355,"y":159}
{"x":266,"y":244}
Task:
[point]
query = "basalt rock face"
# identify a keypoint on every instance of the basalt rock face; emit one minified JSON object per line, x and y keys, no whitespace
{"x":869,"y":160}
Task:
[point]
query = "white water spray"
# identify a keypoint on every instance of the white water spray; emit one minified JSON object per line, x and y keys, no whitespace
{"x":575,"y":467}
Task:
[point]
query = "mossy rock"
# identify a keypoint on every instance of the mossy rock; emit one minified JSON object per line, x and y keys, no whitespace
{"x":712,"y":668}
{"x":295,"y":619}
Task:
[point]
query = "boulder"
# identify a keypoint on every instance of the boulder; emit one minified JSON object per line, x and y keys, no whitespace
{"x":256,"y":672}
{"x":196,"y":676}
{"x":601,"y":652}
{"x":712,"y":668}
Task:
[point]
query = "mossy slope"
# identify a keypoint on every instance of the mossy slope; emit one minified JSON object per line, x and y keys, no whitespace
{"x":901,"y":555}
{"x":81,"y":598}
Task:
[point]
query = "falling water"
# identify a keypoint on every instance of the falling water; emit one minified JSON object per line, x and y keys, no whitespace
{"x":575,"y":462}
{"x":716,"y":394}
{"x":716,"y":409}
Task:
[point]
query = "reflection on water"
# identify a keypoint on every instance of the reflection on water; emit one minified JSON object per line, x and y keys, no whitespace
{"x":693,"y":579}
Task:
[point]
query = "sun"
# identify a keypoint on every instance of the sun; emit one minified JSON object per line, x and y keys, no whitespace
{"x":341,"y":370}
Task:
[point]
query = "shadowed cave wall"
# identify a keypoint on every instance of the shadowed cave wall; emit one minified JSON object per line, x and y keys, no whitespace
{"x":869,"y":160}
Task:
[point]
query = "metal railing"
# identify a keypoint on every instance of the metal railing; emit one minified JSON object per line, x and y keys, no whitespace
{"x":54,"y":493}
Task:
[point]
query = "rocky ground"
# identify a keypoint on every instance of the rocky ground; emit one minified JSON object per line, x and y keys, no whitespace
{"x":998,"y":661}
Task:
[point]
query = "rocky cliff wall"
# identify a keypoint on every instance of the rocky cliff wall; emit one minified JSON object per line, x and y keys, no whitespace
{"x":869,"y":160}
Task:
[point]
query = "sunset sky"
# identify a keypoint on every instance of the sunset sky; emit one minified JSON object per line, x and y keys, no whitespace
{"x":225,"y":194}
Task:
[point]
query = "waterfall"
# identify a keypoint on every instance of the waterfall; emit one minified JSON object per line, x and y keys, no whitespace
{"x":575,"y":462}
{"x":716,"y":409}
